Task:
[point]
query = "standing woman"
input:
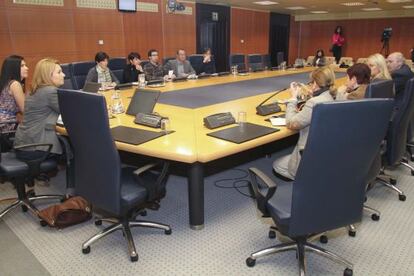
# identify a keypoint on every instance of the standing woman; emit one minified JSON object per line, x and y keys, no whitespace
{"x":13,"y":74}
{"x":338,"y":41}
{"x":41,"y":112}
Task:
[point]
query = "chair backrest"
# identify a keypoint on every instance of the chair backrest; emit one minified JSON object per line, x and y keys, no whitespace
{"x":165,"y":60}
{"x":310,"y":59}
{"x":67,"y":70}
{"x":266,"y":61}
{"x":362,"y":60}
{"x":117,"y":66}
{"x":79,"y":72}
{"x":380,"y":89}
{"x":346,"y":60}
{"x":397,"y":132}
{"x":97,"y":163}
{"x":329,"y":188}
{"x":255,"y":62}
{"x":196,"y":61}
{"x":237,"y":59}
{"x":144,"y":62}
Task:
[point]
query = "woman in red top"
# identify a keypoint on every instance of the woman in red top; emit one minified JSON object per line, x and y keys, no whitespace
{"x":337,"y":42}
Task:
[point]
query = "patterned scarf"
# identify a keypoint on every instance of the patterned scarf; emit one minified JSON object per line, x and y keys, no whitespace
{"x":103,"y":75}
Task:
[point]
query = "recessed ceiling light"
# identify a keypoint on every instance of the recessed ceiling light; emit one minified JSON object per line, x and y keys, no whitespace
{"x":399,"y":1}
{"x":352,"y":4}
{"x":372,"y":9}
{"x":296,"y":8}
{"x":265,"y":3}
{"x":409,"y":7}
{"x":319,"y":12}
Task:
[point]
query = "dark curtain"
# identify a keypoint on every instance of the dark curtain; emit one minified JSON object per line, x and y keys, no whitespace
{"x":278,"y":36}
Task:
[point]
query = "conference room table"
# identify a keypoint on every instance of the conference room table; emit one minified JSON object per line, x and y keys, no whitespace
{"x":189,"y":143}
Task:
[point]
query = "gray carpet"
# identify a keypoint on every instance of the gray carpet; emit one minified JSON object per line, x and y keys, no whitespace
{"x":219,"y":93}
{"x":234,"y":229}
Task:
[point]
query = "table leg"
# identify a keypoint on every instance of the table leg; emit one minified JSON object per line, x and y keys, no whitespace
{"x":196,"y":196}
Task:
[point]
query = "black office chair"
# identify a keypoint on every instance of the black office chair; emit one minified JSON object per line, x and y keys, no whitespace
{"x":266,"y":61}
{"x":196,"y":62}
{"x":237,"y":59}
{"x":144,"y":62}
{"x":343,"y":137}
{"x":20,"y":173}
{"x":166,"y":59}
{"x":67,"y":70}
{"x":255,"y":62}
{"x":117,"y":66}
{"x":122,"y":192}
{"x":79,"y":72}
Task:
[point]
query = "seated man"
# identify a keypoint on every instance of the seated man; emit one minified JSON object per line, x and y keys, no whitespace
{"x":400,"y":73}
{"x":181,"y":66}
{"x":153,"y":69}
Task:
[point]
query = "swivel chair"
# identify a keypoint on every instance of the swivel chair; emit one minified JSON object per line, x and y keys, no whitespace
{"x":324,"y":195}
{"x":122,"y":192}
{"x":237,"y":59}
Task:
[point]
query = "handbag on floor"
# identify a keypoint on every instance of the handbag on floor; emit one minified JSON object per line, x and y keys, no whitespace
{"x":73,"y":211}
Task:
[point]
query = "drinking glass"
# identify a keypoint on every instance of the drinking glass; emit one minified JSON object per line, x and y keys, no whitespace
{"x":241,"y":117}
{"x":141,"y":80}
{"x":166,"y":125}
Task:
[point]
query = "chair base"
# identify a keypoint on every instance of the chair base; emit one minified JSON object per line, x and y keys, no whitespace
{"x":300,"y":246}
{"x":27,"y":204}
{"x":125,"y":225}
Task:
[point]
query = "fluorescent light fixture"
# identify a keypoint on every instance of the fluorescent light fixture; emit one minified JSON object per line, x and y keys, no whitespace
{"x":296,"y":8}
{"x":409,"y":7}
{"x":372,"y":9}
{"x":353,"y":4}
{"x":265,"y":3}
{"x":399,"y":1}
{"x":319,"y":12}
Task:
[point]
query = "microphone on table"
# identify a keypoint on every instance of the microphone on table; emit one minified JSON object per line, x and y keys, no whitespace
{"x":265,"y":109}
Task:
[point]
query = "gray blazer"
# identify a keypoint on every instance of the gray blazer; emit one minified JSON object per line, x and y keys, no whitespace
{"x":303,"y":118}
{"x":92,"y":76}
{"x":41,"y":111}
{"x":173,"y":65}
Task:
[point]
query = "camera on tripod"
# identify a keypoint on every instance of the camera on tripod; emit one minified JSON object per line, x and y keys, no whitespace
{"x":386,"y":34}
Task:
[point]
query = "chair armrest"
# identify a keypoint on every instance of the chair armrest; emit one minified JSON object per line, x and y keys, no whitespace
{"x":145,"y":168}
{"x":49,"y":146}
{"x":260,"y":196}
{"x":155,"y":190}
{"x":34,"y":165}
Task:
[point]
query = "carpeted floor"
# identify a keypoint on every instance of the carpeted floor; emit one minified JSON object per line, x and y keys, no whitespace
{"x":233,"y":230}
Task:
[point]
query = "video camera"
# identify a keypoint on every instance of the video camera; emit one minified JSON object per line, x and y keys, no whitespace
{"x":386,"y":34}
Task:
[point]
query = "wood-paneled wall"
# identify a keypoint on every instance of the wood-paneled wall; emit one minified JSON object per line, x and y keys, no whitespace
{"x":363,"y":36}
{"x":253,"y":28}
{"x":70,"y":33}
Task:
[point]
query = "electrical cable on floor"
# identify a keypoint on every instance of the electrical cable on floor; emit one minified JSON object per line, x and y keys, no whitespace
{"x":235,"y":181}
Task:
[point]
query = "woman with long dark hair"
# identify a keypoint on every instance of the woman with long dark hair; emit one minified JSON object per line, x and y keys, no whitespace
{"x":338,"y":41}
{"x":12,"y":78}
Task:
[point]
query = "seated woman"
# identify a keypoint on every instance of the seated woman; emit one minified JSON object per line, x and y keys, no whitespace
{"x":319,"y":59}
{"x":13,"y":74}
{"x":378,"y":67}
{"x":208,"y":66}
{"x":41,"y":111}
{"x":359,"y":76}
{"x":133,"y":67}
{"x":101,"y":73}
{"x":321,"y":90}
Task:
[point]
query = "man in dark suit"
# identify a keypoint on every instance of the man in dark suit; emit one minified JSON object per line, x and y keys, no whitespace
{"x":181,"y":66}
{"x":400,"y":73}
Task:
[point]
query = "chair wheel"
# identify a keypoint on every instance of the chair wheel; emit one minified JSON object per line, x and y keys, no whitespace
{"x":393,"y":181}
{"x":250,"y":262}
{"x":168,"y":232}
{"x":375,"y":217}
{"x":323,"y":239}
{"x":352,"y":233}
{"x":43,"y":223}
{"x":24,"y":208}
{"x":135,"y":259}
{"x":272,"y":234}
{"x":402,"y":197}
{"x":86,"y":250}
{"x":30,"y":193}
{"x":98,"y":222}
{"x":348,"y":272}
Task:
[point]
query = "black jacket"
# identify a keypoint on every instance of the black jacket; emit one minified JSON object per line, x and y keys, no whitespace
{"x":131,"y":73}
{"x":400,"y":77}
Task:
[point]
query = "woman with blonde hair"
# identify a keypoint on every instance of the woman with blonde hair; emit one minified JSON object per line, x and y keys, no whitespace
{"x":322,"y":89}
{"x":41,"y":112}
{"x":378,"y":66}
